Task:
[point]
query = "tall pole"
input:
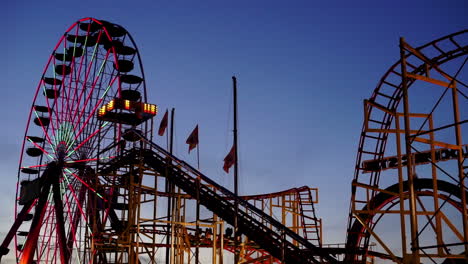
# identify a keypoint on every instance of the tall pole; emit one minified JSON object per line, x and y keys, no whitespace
{"x":409,"y":166}
{"x":198,"y":155}
{"x":169,"y":190}
{"x":172,"y":191}
{"x":197,"y":225}
{"x":236,"y":171}
{"x":171,"y":143}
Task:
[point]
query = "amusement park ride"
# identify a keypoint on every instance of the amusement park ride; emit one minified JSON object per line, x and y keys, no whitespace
{"x":94,"y":188}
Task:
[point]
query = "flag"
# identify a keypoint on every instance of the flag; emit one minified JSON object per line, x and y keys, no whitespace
{"x":163,"y":125}
{"x":229,"y":160}
{"x":192,"y":140}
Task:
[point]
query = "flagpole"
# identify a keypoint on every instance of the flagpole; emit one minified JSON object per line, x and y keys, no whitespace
{"x":172,"y":130}
{"x":170,"y":192}
{"x":236,"y":204}
{"x":167,"y":141}
{"x":193,"y":142}
{"x":197,"y":226}
{"x":198,"y":155}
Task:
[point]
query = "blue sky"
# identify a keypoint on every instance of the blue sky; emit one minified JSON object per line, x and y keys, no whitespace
{"x":303,"y":69}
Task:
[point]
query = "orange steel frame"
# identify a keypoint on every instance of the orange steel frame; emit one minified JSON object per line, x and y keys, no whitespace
{"x":143,"y":238}
{"x":413,"y":209}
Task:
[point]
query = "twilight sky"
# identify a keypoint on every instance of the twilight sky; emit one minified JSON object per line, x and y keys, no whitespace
{"x":303,"y":69}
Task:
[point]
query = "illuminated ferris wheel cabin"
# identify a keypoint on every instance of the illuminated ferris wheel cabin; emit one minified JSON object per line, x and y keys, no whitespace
{"x":127,"y":112}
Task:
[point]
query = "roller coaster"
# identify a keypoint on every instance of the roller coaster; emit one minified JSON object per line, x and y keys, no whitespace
{"x":93,"y":186}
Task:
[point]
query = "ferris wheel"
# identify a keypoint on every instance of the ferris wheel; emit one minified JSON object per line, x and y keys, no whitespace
{"x":91,"y":92}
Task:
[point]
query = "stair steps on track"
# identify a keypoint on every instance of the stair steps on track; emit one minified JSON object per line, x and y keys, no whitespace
{"x":272,"y":236}
{"x":279,"y":241}
{"x":310,"y":222}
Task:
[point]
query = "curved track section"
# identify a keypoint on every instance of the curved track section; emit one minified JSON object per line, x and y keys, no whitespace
{"x":382,"y":199}
{"x":382,"y":127}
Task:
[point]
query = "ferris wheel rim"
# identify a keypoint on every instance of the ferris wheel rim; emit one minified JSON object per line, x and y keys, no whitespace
{"x":76,"y":29}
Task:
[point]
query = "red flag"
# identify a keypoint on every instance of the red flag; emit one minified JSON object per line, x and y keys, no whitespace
{"x":163,"y":125}
{"x":230,"y":159}
{"x":192,"y":140}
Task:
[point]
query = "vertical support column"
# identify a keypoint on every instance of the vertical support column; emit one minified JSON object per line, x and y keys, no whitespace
{"x":438,"y":225}
{"x":283,"y":210}
{"x":409,"y":166}
{"x":401,"y":187}
{"x":130,"y":234}
{"x":460,"y":160}
{"x":138,"y":199}
{"x":174,"y":229}
{"x":271,"y":226}
{"x":197,"y":222}
{"x":168,"y":211}
{"x":214,"y":239}
{"x":217,"y":236}
{"x":283,"y":221}
{"x":295,"y":200}
{"x":221,"y":246}
{"x":155,"y":207}
{"x":181,"y":227}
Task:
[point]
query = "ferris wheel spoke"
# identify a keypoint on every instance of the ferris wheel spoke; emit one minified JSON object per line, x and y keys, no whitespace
{"x":84,"y":107}
{"x":77,"y":83}
{"x":85,"y":184}
{"x":54,"y":255}
{"x":60,"y":222}
{"x":35,"y":166}
{"x":39,"y":147}
{"x":56,"y":91}
{"x":44,"y":129}
{"x":71,"y":204}
{"x":50,"y":110}
{"x":79,"y":204}
{"x":92,"y":112}
{"x":62,"y":87}
{"x":90,"y":159}
{"x":72,"y":74}
{"x":88,"y":138}
{"x":66,"y":107}
{"x":74,"y":219}
{"x":48,"y":231}
{"x":88,"y":70}
{"x":66,"y":110}
{"x":95,"y":140}
{"x":45,"y":224}
{"x":73,"y":229}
